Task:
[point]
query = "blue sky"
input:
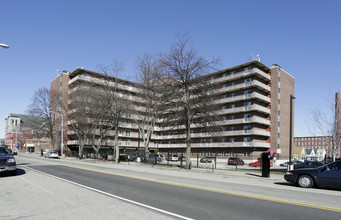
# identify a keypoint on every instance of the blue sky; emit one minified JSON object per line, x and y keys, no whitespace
{"x":303,"y":37}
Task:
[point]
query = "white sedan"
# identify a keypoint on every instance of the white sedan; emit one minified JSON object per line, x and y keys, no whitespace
{"x":52,"y":155}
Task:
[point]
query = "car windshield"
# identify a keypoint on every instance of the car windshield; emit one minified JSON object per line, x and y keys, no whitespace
{"x":3,"y":151}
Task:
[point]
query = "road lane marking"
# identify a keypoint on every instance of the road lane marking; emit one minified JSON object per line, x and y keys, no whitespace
{"x":209,"y":190}
{"x":113,"y":196}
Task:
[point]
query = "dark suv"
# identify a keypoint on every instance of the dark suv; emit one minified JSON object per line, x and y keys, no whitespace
{"x":7,"y":162}
{"x":234,"y":161}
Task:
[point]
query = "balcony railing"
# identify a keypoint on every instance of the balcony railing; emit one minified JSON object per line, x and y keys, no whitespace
{"x":218,"y":145}
{"x":241,"y":74}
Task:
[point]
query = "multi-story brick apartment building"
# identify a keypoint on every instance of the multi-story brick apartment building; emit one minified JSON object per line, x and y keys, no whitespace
{"x":254,"y":112}
{"x":59,"y":95}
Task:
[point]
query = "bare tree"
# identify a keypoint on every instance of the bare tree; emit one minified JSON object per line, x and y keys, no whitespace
{"x":41,"y":105}
{"x":117,"y":106}
{"x":184,"y":69}
{"x":328,"y":123}
{"x":81,"y":117}
{"x":155,"y":95}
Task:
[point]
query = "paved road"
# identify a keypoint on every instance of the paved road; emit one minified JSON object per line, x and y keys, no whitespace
{"x":196,"y":194}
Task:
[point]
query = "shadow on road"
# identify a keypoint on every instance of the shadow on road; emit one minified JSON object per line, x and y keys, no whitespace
{"x":253,"y":174}
{"x":19,"y":172}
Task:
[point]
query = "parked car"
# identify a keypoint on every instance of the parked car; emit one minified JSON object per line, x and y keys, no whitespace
{"x":7,"y":162}
{"x":174,"y":157}
{"x":285,"y":164}
{"x":324,"y":176}
{"x":258,"y":164}
{"x":206,"y":159}
{"x":132,"y":157}
{"x":234,"y":161}
{"x":154,"y":157}
{"x":308,"y":164}
{"x":51,"y":154}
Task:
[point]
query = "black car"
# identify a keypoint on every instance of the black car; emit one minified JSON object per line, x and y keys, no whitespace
{"x":234,"y":161}
{"x":7,"y":162}
{"x":154,"y":158}
{"x":326,"y":176}
{"x":308,"y":164}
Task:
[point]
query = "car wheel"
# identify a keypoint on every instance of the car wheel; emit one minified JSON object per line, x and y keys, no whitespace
{"x":305,"y":181}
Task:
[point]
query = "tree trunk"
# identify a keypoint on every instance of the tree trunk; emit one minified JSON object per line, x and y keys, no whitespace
{"x":80,"y":150}
{"x":188,"y":140}
{"x":117,"y":147}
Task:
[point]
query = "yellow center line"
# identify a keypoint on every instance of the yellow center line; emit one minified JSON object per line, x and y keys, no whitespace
{"x":206,"y":189}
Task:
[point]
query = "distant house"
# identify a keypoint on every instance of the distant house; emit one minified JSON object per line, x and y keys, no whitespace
{"x":298,"y":153}
{"x":320,"y":154}
{"x":310,"y":154}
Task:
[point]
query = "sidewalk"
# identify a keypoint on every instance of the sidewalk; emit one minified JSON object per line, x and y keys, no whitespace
{"x":167,"y":172}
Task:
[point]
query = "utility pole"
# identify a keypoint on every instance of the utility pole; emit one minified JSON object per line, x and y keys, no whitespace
{"x":290,"y":166}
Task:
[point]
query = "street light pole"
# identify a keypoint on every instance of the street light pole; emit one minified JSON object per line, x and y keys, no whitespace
{"x":290,"y":166}
{"x":4,"y":45}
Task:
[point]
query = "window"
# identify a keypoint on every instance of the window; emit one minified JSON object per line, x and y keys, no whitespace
{"x":232,"y":140}
{"x":247,"y":82}
{"x":231,"y":128}
{"x":247,"y":139}
{"x":247,"y":103}
{"x":224,"y":118}
{"x":224,"y":75}
{"x":232,"y":106}
{"x":86,"y":76}
{"x":224,"y":96}
{"x":247,"y":69}
{"x":232,"y":95}
{"x":223,"y":154}
{"x":246,"y":154}
{"x":224,"y":107}
{"x":211,"y":99}
{"x":232,"y":117}
{"x":231,"y":154}
{"x":247,"y":127}
{"x":223,"y":140}
{"x":128,"y":133}
{"x":247,"y":117}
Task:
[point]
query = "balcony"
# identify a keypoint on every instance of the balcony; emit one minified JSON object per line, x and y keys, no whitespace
{"x":243,"y":109}
{"x":217,"y":145}
{"x":244,"y":85}
{"x":243,"y":74}
{"x":253,"y":131}
{"x":244,"y":97}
